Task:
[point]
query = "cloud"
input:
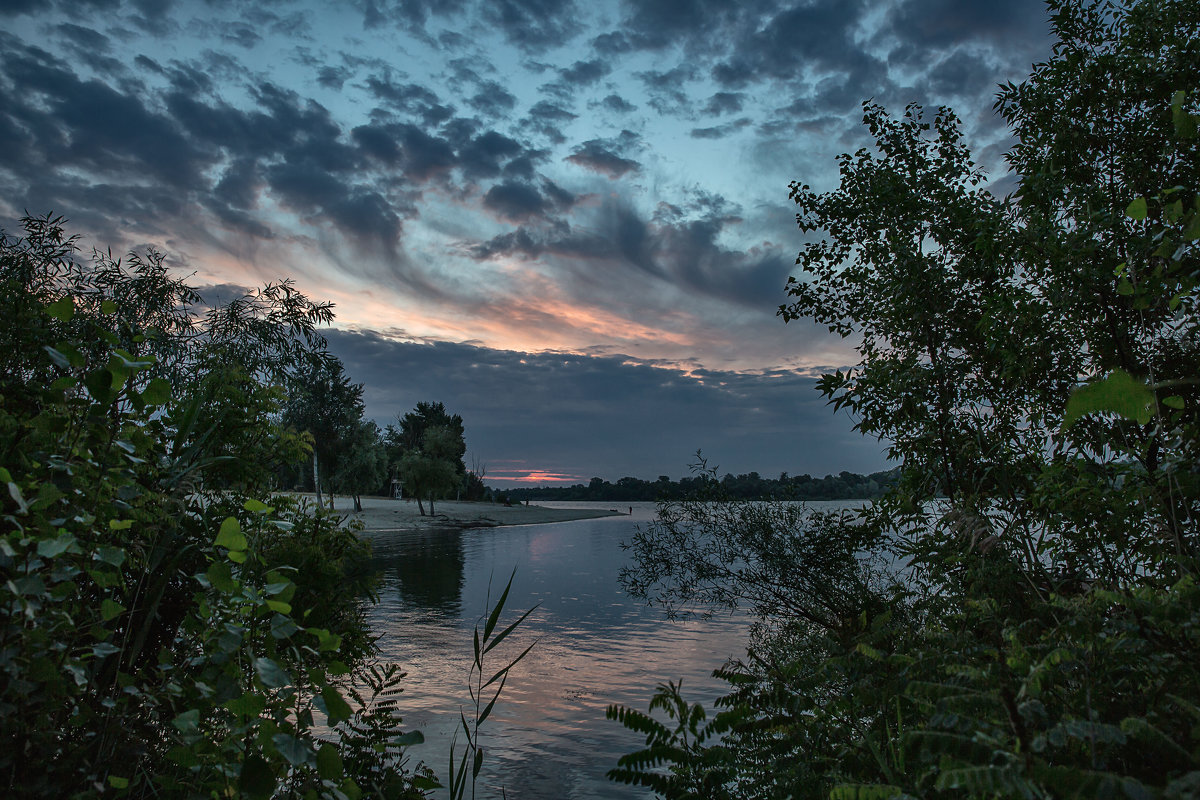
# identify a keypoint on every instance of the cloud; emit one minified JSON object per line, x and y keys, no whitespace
{"x":514,"y":201}
{"x":667,"y":90}
{"x":605,"y":156}
{"x":724,"y":103}
{"x":534,"y":25}
{"x":609,"y":416}
{"x":493,"y":100}
{"x":547,"y":117}
{"x":720,"y":131}
{"x":620,"y":105}
{"x":585,"y":73}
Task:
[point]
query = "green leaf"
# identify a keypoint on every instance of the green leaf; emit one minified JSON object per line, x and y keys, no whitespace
{"x":120,"y":524}
{"x":297,"y":752}
{"x":861,"y":791}
{"x":14,"y":492}
{"x":188,"y":721}
{"x":326,"y":641}
{"x":110,"y":609}
{"x":220,"y":576}
{"x":1174,"y":401}
{"x":62,"y":309}
{"x":111,"y":555}
{"x":231,"y":535}
{"x":250,"y":704}
{"x":1136,"y":209}
{"x":49,"y":548}
{"x":335,"y":705}
{"x":118,"y":782}
{"x":108,"y":307}
{"x":257,"y":507}
{"x":1118,"y":393}
{"x":157,"y":392}
{"x":271,"y":674}
{"x":59,"y":359}
{"x":329,"y":762}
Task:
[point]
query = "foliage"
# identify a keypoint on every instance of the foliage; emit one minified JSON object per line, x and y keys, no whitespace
{"x":1018,"y":616}
{"x":410,"y":435}
{"x":429,"y":448}
{"x":323,"y":403}
{"x":362,"y":464}
{"x":747,"y":486}
{"x":163,"y":632}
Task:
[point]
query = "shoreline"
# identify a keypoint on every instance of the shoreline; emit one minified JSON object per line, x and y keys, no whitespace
{"x":383,"y":514}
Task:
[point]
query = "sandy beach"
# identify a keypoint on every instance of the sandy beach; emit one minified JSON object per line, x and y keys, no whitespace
{"x":384,"y":514}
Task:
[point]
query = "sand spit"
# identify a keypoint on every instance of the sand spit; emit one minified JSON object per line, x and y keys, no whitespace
{"x":383,"y":514}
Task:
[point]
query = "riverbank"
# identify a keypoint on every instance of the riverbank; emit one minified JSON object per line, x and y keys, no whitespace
{"x":385,"y":514}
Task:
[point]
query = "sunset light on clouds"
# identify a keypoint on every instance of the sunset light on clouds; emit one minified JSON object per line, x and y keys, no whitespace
{"x":567,"y":221}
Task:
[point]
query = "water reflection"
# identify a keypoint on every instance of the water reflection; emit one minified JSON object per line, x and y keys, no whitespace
{"x":547,"y":737}
{"x":425,"y":569}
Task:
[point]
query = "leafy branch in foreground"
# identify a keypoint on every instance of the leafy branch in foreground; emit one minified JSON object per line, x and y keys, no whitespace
{"x":1031,"y":624}
{"x":163,"y":632}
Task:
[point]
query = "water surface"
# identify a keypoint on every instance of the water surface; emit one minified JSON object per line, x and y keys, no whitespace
{"x":547,"y":737}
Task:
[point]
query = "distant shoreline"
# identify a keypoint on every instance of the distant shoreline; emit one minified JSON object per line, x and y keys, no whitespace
{"x":383,"y":514}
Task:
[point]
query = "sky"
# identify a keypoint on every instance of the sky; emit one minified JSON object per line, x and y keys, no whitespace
{"x":567,"y":220}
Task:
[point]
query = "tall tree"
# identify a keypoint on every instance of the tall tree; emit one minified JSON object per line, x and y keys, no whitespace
{"x":428,"y":471}
{"x":362,"y":462}
{"x":325,"y":404}
{"x":412,"y":426}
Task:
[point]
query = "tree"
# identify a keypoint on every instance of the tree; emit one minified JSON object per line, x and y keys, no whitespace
{"x":163,"y":636}
{"x":412,"y":426}
{"x":429,"y":471}
{"x":325,"y":404}
{"x":1027,"y":587}
{"x":362,"y":463}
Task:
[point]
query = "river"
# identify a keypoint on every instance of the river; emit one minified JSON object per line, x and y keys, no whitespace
{"x":593,"y":646}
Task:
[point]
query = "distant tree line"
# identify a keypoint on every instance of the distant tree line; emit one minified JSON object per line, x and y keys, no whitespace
{"x":748,"y":486}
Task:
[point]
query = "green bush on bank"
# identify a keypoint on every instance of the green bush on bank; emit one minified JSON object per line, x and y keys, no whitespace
{"x":164,"y":632}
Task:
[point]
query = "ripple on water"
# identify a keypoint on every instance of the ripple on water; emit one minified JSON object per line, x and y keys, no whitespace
{"x":593,"y":646}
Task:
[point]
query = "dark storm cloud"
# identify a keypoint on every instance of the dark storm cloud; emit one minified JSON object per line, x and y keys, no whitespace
{"x":574,"y":413}
{"x":960,"y":73}
{"x":369,"y":216}
{"x":657,"y":24}
{"x":14,"y":7}
{"x":241,"y":34}
{"x":816,"y":38}
{"x":484,"y":156}
{"x":193,"y":148}
{"x":86,"y":123}
{"x":607,"y":156}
